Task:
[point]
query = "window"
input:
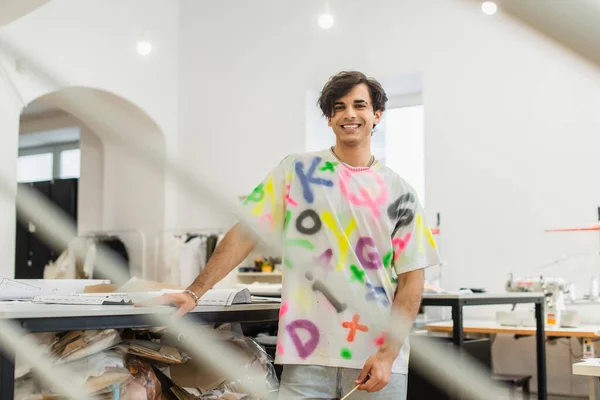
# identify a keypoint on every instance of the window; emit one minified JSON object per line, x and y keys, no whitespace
{"x":35,"y":167}
{"x":378,"y":141}
{"x":44,"y":163}
{"x":70,"y":163}
{"x":405,"y":145}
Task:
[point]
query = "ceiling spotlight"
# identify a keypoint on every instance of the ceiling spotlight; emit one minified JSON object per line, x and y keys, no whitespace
{"x":489,"y":7}
{"x":144,"y":47}
{"x":326,"y":21}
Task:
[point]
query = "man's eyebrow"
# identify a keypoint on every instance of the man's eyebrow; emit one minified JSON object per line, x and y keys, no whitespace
{"x":357,"y":101}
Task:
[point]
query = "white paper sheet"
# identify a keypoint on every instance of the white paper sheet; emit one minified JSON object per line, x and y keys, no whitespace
{"x":27,"y":289}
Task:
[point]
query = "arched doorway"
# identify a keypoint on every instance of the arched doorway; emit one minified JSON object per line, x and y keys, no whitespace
{"x":118,"y":195}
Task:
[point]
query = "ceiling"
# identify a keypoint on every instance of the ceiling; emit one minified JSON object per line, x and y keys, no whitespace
{"x":11,"y":10}
{"x":50,"y":137}
{"x":38,"y":108}
{"x":573,"y":23}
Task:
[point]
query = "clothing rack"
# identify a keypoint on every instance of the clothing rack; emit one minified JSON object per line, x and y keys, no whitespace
{"x":162,"y":235}
{"x":123,"y":235}
{"x":162,"y":243}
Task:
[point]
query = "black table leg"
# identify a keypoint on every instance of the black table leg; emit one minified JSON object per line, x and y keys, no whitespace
{"x":458,"y":336}
{"x":7,"y":377}
{"x":457,"y":324}
{"x":540,"y":340}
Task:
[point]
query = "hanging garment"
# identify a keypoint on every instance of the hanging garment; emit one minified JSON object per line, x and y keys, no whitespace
{"x":119,"y":250}
{"x":68,"y":266}
{"x":169,"y":272}
{"x":211,"y":245}
{"x":63,"y":267}
{"x":192,"y":259}
{"x":87,"y":269}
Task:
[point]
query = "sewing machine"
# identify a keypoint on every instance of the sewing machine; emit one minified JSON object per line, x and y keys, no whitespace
{"x":556,"y":313}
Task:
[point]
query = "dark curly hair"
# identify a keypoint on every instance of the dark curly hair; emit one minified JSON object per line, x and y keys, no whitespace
{"x":342,"y":83}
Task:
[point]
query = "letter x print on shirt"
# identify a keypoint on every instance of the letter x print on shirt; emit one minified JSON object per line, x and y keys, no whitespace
{"x":354,"y":326}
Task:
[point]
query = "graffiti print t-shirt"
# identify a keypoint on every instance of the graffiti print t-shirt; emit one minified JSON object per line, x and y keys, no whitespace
{"x":359,"y":226}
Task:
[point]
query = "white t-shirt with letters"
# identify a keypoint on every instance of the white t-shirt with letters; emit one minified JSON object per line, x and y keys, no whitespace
{"x":359,"y":226}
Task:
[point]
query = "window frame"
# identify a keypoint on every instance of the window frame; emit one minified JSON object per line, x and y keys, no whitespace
{"x":55,"y":149}
{"x":407,"y":100}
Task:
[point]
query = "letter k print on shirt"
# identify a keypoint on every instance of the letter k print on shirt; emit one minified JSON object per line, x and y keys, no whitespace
{"x":307,"y":178}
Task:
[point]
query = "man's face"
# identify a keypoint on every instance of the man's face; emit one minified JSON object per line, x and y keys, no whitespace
{"x":353,"y":116}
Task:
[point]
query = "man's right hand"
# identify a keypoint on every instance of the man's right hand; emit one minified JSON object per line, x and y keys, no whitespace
{"x":183,"y":301}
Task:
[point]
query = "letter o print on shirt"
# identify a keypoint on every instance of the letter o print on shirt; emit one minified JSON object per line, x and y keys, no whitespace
{"x":313,"y":227}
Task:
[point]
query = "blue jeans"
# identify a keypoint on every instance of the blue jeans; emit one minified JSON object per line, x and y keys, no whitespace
{"x":318,"y":382}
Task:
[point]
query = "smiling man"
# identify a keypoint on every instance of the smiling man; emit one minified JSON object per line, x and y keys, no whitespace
{"x":363,"y":225}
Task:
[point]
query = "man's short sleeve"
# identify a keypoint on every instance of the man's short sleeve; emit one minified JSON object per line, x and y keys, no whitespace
{"x":265,"y":205}
{"x":413,"y":242}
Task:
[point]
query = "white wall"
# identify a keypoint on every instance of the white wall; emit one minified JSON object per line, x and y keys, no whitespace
{"x":511,"y":119}
{"x":9,"y":122}
{"x":100,"y":55}
{"x":129,"y":203}
{"x":241,"y":96}
{"x":91,"y":183}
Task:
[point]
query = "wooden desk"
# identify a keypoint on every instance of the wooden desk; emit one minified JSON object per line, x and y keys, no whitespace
{"x":492,"y":327}
{"x":590,"y":368}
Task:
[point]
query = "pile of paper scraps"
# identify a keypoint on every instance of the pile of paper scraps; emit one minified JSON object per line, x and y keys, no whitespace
{"x":130,"y":365}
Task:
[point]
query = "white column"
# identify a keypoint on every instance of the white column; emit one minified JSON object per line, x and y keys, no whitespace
{"x":9,"y":134}
{"x":91,"y":182}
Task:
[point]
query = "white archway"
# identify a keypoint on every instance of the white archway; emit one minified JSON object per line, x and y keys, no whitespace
{"x":117,"y":190}
{"x":11,"y":10}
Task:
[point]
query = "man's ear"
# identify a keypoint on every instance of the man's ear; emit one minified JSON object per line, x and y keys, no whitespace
{"x":378,"y":115}
{"x":329,"y":121}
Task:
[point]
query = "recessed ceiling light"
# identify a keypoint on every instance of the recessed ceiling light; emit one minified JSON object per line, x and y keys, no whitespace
{"x":489,"y":7}
{"x":144,"y":47}
{"x":326,"y":21}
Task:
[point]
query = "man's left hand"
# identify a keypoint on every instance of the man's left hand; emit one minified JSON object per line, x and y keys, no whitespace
{"x":378,"y":370}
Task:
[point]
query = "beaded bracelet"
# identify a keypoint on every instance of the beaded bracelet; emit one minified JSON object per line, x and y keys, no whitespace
{"x":194,"y":296}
